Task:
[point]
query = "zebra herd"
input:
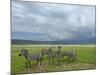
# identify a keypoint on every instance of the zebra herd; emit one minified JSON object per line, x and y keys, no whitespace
{"x":50,"y":53}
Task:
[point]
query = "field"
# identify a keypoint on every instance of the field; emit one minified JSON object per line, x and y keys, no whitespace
{"x":86,"y":59}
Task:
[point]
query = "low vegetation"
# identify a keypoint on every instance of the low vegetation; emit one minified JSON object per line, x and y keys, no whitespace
{"x":86,"y":60}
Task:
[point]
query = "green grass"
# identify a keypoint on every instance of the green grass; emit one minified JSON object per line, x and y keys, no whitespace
{"x":86,"y":60}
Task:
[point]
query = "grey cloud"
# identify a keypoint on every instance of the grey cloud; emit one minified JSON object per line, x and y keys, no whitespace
{"x":54,"y":20}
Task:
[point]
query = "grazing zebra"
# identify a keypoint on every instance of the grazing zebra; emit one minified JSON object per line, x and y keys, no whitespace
{"x":70,"y":54}
{"x":29,"y":58}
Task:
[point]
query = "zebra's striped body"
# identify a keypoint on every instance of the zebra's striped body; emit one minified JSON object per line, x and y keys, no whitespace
{"x":51,"y":54}
{"x":70,"y":54}
{"x":29,"y":58}
{"x":55,"y":54}
{"x":46,"y":51}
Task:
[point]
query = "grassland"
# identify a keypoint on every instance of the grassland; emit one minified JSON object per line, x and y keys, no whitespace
{"x":86,"y":59}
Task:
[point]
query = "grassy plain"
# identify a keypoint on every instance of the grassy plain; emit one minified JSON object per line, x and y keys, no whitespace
{"x":86,"y":59}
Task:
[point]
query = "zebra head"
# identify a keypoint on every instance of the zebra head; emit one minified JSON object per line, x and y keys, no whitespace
{"x":50,"y":49}
{"x":24,"y":52}
{"x":59,"y":47}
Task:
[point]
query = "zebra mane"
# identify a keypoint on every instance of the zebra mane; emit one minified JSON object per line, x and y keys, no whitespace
{"x":25,"y":51}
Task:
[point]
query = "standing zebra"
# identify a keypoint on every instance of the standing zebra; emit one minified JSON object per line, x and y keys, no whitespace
{"x":51,"y":54}
{"x":29,"y":58}
{"x":70,"y":54}
{"x":55,"y":54}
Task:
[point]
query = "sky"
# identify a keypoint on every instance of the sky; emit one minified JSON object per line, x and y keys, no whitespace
{"x":50,"y":22}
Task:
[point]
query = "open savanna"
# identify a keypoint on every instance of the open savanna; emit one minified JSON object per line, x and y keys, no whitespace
{"x":86,"y":59}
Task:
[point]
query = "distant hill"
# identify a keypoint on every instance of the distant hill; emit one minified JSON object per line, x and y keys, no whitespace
{"x":78,"y":41}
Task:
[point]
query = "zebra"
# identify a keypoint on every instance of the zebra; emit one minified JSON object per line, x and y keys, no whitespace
{"x":55,"y":54}
{"x":29,"y":58}
{"x":51,"y":54}
{"x":46,"y":51}
{"x":70,"y":54}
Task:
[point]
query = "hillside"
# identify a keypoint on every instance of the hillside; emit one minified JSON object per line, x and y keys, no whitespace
{"x":79,"y":41}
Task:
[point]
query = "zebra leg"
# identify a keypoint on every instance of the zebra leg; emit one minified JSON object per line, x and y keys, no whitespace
{"x":62,"y":57}
{"x":37,"y":62}
{"x":69,"y":58}
{"x":42,"y":54}
{"x":53,"y":60}
{"x":74,"y":58}
{"x":41,"y":59}
{"x":26,"y":65}
{"x":58,"y":61}
{"x":30,"y":64}
{"x":49,"y":57}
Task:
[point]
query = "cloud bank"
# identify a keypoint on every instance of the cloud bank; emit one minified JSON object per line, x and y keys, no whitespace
{"x":44,"y":21}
